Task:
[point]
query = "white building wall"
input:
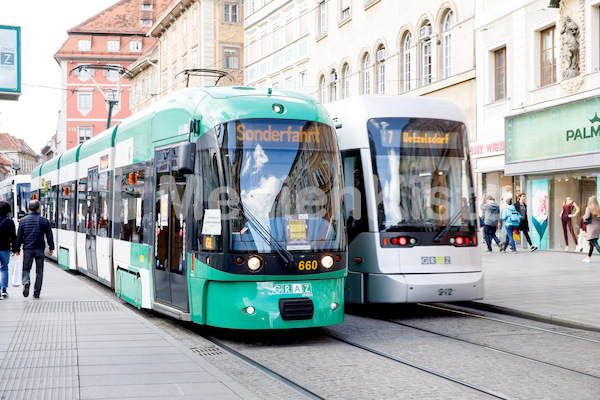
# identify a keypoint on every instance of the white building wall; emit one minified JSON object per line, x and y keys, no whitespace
{"x":370,"y":24}
{"x":515,"y":24}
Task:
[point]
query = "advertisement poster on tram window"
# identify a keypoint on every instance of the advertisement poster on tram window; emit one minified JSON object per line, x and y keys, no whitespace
{"x":539,"y":212}
{"x":164,"y":210}
{"x":296,"y":232}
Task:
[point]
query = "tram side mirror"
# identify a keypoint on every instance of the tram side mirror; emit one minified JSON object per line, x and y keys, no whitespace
{"x":21,"y":214}
{"x":186,"y":158}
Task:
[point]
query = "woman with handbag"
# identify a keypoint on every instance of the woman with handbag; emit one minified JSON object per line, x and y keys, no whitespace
{"x":591,"y":219}
{"x":7,"y":244}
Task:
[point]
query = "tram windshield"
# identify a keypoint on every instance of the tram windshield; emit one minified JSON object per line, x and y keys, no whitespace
{"x":23,"y":198}
{"x":422,"y":174}
{"x":286,"y":175}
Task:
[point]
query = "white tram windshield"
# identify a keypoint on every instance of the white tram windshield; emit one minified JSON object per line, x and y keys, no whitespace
{"x":23,"y":198}
{"x":287,"y":176}
{"x":422,"y":174}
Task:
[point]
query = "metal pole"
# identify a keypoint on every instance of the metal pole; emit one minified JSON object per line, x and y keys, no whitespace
{"x":110,"y":107}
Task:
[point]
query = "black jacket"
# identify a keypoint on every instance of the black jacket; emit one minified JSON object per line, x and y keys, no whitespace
{"x":7,"y":234}
{"x":522,"y":209}
{"x":32,"y":229}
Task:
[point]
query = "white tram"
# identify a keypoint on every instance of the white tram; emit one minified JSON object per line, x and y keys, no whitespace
{"x":15,"y":190}
{"x":410,"y":202}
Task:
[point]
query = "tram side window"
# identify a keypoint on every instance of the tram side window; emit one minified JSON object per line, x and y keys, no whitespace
{"x":66,"y":198}
{"x":355,"y":198}
{"x":48,"y":202}
{"x":132,"y":206}
{"x":81,"y":204}
{"x":103,"y":205}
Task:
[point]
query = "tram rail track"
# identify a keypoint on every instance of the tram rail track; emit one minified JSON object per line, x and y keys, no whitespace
{"x":420,"y":367}
{"x":464,"y":310}
{"x":503,"y":351}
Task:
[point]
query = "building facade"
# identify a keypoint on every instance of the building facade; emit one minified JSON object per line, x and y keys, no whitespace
{"x":277,"y":44}
{"x":18,"y":154}
{"x":538,"y":96}
{"x":341,"y":48}
{"x":194,"y":37}
{"x":115,"y":37}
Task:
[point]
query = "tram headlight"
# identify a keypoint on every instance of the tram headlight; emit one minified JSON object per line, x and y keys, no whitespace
{"x":250,"y":310}
{"x":254,"y":263}
{"x":327,"y":262}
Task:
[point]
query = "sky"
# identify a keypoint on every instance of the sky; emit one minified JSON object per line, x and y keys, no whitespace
{"x":44,"y":25}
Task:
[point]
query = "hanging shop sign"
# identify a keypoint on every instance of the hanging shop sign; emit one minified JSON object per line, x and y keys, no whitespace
{"x":10,"y":62}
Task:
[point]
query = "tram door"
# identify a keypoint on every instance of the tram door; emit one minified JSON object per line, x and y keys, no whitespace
{"x":170,"y":269}
{"x":91,"y":221}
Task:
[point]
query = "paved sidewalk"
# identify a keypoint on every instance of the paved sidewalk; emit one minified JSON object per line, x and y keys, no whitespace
{"x":77,"y":343}
{"x":548,"y":285}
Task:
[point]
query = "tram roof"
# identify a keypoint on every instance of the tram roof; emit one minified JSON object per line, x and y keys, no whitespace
{"x":36,"y":171}
{"x":70,"y":156}
{"x":98,"y":143}
{"x":50,"y":165}
{"x":214,"y":105}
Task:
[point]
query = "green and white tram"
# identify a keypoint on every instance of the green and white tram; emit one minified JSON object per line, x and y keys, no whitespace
{"x":412,"y":221}
{"x":217,"y":205}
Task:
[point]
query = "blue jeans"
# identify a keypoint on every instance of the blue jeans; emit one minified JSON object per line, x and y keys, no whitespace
{"x":489,"y":233}
{"x":28,"y":257}
{"x":4,"y":258}
{"x":509,"y":237}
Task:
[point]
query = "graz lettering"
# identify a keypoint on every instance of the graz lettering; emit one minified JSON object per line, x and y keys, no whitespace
{"x":435,"y":260}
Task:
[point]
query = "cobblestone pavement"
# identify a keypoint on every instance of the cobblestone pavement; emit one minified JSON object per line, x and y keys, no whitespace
{"x":513,"y":376}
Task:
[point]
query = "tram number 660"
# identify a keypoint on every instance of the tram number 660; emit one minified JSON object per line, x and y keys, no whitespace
{"x":445,"y":292}
{"x":308,"y":265}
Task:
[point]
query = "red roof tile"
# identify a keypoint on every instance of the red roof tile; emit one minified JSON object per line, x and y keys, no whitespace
{"x":122,"y":18}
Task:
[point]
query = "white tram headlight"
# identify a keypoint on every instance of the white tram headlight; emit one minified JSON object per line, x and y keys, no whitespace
{"x":327,"y":262}
{"x":254,"y":263}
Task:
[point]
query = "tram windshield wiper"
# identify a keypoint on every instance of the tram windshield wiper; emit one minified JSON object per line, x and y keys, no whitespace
{"x":438,"y":238}
{"x":285,"y":255}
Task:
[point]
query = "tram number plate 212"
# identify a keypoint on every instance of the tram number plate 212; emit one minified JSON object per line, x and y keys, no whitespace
{"x":445,"y":292}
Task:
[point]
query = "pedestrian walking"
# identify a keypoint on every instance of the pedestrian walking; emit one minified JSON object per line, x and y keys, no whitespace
{"x":592,"y":220}
{"x":512,"y":220}
{"x":32,"y":229}
{"x":521,"y":207}
{"x":491,"y":215}
{"x":7,"y":245}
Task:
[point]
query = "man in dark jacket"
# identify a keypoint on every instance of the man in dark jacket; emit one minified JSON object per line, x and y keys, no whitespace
{"x":32,"y":229}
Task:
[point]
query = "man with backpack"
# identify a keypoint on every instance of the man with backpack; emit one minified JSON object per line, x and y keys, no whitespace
{"x":491,"y":215}
{"x":512,"y":220}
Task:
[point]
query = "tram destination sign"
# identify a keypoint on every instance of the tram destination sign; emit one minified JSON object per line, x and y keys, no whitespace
{"x":10,"y":62}
{"x":417,"y":133}
{"x":280,"y":134}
